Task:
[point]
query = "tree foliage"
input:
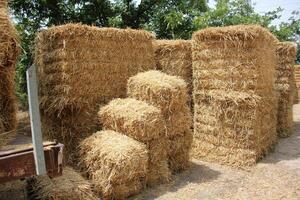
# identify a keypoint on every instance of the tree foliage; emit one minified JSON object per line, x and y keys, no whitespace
{"x":170,"y":19}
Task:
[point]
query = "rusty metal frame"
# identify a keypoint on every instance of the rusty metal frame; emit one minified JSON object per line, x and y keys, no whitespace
{"x":19,"y":164}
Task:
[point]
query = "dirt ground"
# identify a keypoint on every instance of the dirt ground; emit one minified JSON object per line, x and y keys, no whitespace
{"x":275,"y":177}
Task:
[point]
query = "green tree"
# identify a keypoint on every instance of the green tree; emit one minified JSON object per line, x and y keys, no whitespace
{"x":233,"y":12}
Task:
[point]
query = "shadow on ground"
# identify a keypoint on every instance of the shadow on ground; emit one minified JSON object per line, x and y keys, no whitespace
{"x":287,"y":149}
{"x":197,"y":174}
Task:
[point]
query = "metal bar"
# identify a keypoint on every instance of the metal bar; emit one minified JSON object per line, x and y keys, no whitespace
{"x":22,"y":164}
{"x":35,"y":121}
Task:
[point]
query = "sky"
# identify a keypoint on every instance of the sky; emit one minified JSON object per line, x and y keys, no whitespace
{"x":263,"y":6}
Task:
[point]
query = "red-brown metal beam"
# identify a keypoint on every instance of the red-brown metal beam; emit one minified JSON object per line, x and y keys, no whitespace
{"x":20,"y":164}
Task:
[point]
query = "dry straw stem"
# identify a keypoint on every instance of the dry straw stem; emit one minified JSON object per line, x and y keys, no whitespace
{"x":116,"y":163}
{"x":285,"y":85}
{"x":174,"y":57}
{"x":144,"y":123}
{"x":71,"y":185}
{"x":78,"y":65}
{"x":234,"y":95}
{"x":9,"y":46}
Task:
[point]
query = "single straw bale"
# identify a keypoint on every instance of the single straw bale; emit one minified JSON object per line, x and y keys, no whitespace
{"x":78,"y":65}
{"x":71,"y":185}
{"x":143,"y":122}
{"x":285,"y":85}
{"x":235,"y":102}
{"x":116,"y":163}
{"x":169,"y":93}
{"x":138,"y":119}
{"x":9,"y":45}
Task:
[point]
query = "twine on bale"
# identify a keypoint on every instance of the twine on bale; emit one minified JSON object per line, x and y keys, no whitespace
{"x":116,"y":164}
{"x":235,"y":103}
{"x":9,"y":45}
{"x":286,"y":87}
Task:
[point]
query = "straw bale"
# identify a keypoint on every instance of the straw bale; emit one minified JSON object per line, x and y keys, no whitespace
{"x":235,"y":102}
{"x":144,"y":123}
{"x":78,"y":65}
{"x":167,"y":92}
{"x":296,"y":84}
{"x":138,"y":119}
{"x":174,"y":57}
{"x":9,"y":46}
{"x":71,"y":185}
{"x":285,"y":85}
{"x":116,"y":163}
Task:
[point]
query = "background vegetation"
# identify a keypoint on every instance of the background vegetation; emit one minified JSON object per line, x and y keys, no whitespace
{"x":171,"y":19}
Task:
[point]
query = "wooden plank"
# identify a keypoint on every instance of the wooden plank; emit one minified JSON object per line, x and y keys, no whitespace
{"x":35,"y":121}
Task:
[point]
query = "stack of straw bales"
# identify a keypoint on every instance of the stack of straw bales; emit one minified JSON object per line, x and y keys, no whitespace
{"x":285,"y":85}
{"x":174,"y":57}
{"x":145,"y":124}
{"x":234,"y":95}
{"x":86,"y":62}
{"x":169,"y":93}
{"x":71,"y":185}
{"x":81,"y":67}
{"x":9,"y":46}
{"x":117,"y":164}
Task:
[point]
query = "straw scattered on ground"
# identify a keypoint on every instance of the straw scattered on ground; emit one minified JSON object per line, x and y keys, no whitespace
{"x":71,"y":185}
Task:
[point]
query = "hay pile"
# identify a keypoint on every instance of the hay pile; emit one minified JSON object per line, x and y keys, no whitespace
{"x":81,"y":67}
{"x":9,"y":53}
{"x":174,"y":57}
{"x":144,"y":123}
{"x":285,"y":85}
{"x":117,"y":164}
{"x":235,"y":104}
{"x":71,"y":185}
{"x":169,"y":93}
{"x":78,"y":65}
